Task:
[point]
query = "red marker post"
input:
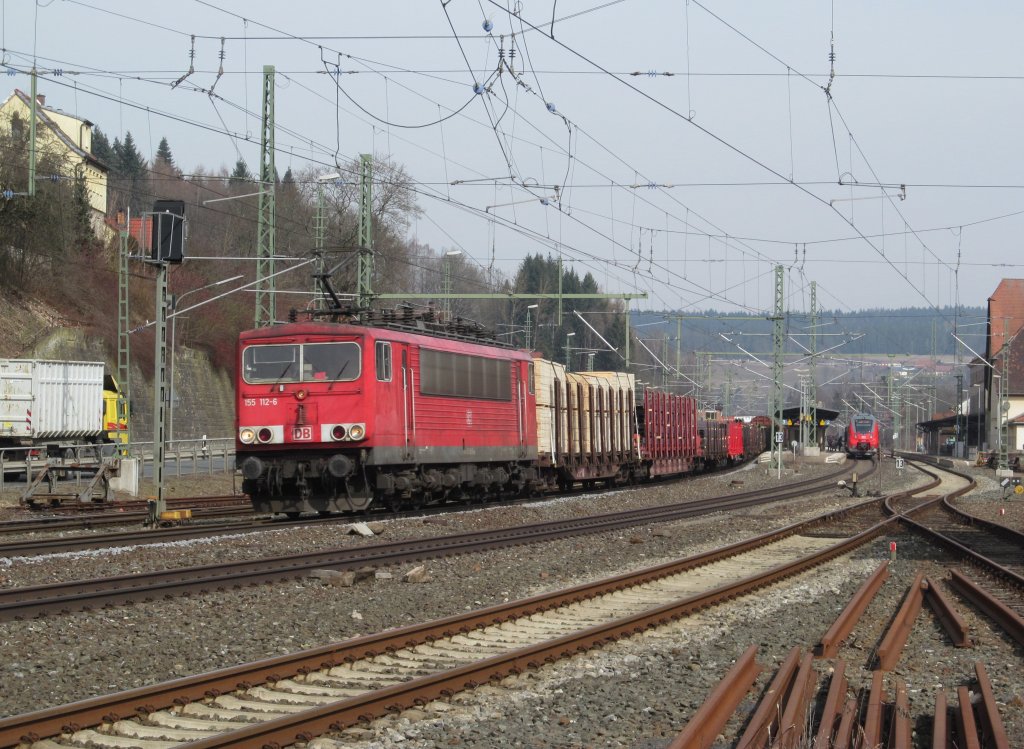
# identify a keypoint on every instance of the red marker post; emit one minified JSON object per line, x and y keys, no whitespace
{"x":892,"y":551}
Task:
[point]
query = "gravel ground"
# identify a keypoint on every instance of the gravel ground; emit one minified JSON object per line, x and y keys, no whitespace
{"x":636,"y":693}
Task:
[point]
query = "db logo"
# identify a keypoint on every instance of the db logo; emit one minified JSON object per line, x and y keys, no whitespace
{"x":302,"y":433}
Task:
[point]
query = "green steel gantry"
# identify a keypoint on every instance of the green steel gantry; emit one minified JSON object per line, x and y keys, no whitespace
{"x":123,"y":323}
{"x":266,"y":285}
{"x":364,"y":284}
{"x":775,"y":412}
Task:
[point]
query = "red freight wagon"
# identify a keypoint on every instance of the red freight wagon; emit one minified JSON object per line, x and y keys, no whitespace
{"x":669,"y":442}
{"x":735,"y":447}
{"x":332,"y":416}
{"x":713,"y":442}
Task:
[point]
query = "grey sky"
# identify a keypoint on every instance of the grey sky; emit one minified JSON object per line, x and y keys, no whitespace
{"x":674,"y":185}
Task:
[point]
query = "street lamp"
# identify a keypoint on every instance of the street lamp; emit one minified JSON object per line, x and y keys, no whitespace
{"x":568,"y":359}
{"x":448,"y":281}
{"x":175,"y":298}
{"x":529,"y":329}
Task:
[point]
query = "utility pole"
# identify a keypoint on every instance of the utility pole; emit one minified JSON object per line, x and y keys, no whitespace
{"x":775,"y":412}
{"x":727,"y":409}
{"x":123,"y":325}
{"x":266,"y":284}
{"x":813,"y":390}
{"x":32,"y":138}
{"x":168,"y":247}
{"x":559,"y":320}
{"x":896,"y":414}
{"x":159,"y":387}
{"x":959,"y":405}
{"x":1002,"y":411}
{"x":364,"y":285}
{"x":803,"y":410}
{"x":679,"y":339}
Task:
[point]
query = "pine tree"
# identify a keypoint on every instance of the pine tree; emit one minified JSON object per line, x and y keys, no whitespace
{"x":101,"y":148}
{"x":81,"y":212}
{"x":130,"y":161}
{"x":241,"y":173}
{"x":128,"y":175}
{"x":163,"y":153}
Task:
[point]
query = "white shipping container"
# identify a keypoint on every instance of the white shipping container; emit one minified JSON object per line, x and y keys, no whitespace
{"x":50,"y":400}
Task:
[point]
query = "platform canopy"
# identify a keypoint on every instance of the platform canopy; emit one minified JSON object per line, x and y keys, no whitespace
{"x":791,"y":416}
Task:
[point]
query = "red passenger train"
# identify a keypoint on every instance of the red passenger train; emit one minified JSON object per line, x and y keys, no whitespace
{"x":862,"y":436}
{"x":403,"y":411}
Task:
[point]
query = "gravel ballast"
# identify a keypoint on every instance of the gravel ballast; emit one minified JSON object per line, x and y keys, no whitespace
{"x":638,"y":690}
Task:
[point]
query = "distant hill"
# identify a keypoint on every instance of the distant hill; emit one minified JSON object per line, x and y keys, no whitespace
{"x":905,"y":331}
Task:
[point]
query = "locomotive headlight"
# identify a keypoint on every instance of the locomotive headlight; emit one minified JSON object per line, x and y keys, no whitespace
{"x":357,"y":432}
{"x":246,"y":435}
{"x":300,"y":395}
{"x":264,"y":434}
{"x":338,"y":432}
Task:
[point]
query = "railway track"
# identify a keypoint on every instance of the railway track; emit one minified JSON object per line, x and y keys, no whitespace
{"x":991,"y":554}
{"x":26,"y":602}
{"x":293,"y":698}
{"x":35,"y":546}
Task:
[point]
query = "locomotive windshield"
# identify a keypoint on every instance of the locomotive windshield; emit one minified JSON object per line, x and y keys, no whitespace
{"x":326,"y":362}
{"x":862,"y":426}
{"x":271,"y":363}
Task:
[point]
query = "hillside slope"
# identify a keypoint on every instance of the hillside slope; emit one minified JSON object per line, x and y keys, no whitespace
{"x":204,"y":396}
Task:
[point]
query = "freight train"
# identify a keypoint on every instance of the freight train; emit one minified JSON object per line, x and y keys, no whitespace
{"x":401,"y":410}
{"x":862,"y":436}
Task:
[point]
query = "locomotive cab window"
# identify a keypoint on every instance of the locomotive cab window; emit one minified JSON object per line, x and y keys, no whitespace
{"x":334,"y":362}
{"x":383,"y":351}
{"x":279,"y":363}
{"x":529,"y":378}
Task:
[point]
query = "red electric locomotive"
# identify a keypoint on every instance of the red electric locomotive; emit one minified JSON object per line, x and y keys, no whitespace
{"x":332,"y":416}
{"x":862,"y":436}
